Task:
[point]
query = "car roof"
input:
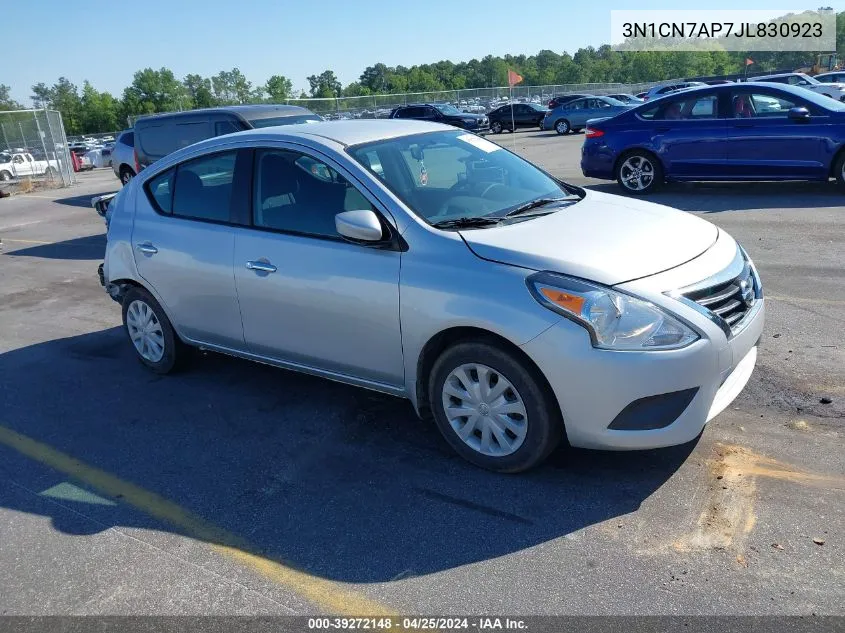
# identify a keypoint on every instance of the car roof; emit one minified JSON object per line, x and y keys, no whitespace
{"x":257,"y":111}
{"x":795,"y":90}
{"x":348,"y":132}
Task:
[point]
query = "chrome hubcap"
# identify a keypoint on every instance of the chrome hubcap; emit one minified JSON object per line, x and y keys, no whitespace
{"x":562,"y":127}
{"x":145,"y":331}
{"x":485,"y":410}
{"x":637,"y":173}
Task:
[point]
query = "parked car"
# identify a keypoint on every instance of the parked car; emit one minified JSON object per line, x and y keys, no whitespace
{"x":641,"y":95}
{"x":443,"y":113}
{"x":659,"y":91}
{"x":520,"y":115}
{"x":123,"y":156}
{"x":573,"y":116}
{"x":834,"y":77}
{"x":161,"y":134}
{"x":831,"y":89}
{"x":626,"y":98}
{"x":743,"y":131}
{"x":559,"y":100}
{"x":514,"y":308}
{"x":18,"y":165}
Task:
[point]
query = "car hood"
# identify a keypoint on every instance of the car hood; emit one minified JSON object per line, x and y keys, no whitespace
{"x":465,"y":115}
{"x":604,"y":238}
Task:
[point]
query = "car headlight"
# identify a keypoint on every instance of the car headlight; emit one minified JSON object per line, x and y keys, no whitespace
{"x":469,"y":121}
{"x":613,"y":319}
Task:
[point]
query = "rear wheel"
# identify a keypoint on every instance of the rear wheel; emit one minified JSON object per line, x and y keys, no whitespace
{"x":639,"y":173}
{"x":150,"y":332}
{"x":563,"y":127}
{"x":50,"y":173}
{"x":496,"y":127}
{"x":492,"y":409}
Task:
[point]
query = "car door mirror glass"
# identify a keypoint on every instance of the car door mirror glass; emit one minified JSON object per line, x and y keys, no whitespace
{"x":360,"y":226}
{"x":799,"y":114}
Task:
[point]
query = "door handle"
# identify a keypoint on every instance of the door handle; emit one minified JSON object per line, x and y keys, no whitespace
{"x":263,"y":267}
{"x":146,"y":248}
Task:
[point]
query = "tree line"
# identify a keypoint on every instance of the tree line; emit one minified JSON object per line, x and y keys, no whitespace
{"x":89,"y":110}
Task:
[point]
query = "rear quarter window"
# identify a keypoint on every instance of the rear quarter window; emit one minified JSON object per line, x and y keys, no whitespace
{"x":157,"y":141}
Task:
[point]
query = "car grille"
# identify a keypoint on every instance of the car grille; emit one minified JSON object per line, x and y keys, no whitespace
{"x":729,"y":301}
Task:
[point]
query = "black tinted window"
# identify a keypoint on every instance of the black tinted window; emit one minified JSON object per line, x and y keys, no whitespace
{"x":161,"y":140}
{"x":690,"y":107}
{"x":298,"y":193}
{"x":225,"y":127}
{"x":127,"y":138}
{"x":202,"y":188}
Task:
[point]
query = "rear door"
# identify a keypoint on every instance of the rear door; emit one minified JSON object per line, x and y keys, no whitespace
{"x":763,"y":142}
{"x":183,"y":243}
{"x":688,"y":135}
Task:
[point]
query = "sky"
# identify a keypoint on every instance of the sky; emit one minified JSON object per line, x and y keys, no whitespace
{"x":106,"y":42}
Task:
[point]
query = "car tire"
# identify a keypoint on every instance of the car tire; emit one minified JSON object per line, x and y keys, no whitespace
{"x":562,"y":126}
{"x":839,"y":169}
{"x":527,"y":430}
{"x":126,"y":175}
{"x":639,"y":172}
{"x":50,"y":172}
{"x":5,"y":176}
{"x":496,"y":127}
{"x":153,"y":338}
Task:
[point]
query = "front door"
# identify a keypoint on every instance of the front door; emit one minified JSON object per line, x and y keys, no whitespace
{"x":763,"y":142}
{"x":307,"y":296}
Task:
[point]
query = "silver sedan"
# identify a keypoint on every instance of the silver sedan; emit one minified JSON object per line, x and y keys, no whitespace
{"x":429,"y":263}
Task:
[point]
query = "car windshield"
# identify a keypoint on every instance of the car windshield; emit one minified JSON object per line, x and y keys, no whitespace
{"x":447,"y":175}
{"x":811,"y":80}
{"x":537,"y":107}
{"x":284,"y":120}
{"x":446,"y":108}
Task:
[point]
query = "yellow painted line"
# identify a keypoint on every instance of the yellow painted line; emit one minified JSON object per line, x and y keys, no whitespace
{"x":24,"y":241}
{"x":331,"y":596}
{"x":799,"y":300}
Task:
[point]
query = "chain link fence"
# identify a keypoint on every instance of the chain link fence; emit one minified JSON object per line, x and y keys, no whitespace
{"x":479,"y":100}
{"x":34,"y":149}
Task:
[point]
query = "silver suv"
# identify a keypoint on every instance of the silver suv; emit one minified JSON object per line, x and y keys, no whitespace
{"x":429,"y":263}
{"x":123,"y":156}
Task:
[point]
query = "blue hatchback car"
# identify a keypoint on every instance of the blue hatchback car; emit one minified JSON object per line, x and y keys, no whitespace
{"x":742,"y":131}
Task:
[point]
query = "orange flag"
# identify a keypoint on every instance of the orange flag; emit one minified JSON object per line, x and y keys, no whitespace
{"x":513,"y":78}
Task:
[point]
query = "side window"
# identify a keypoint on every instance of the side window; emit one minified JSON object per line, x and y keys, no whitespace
{"x":202,"y":188}
{"x":160,"y":189}
{"x":225,"y":127}
{"x":702,"y":107}
{"x":301,"y":194}
{"x":747,"y":104}
{"x":430,"y":113}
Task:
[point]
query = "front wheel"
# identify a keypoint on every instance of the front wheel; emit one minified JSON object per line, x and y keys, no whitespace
{"x":563,"y":127}
{"x":51,"y":173}
{"x":496,"y":127}
{"x":5,"y":175}
{"x":639,"y":173}
{"x":492,"y":409}
{"x":839,"y":170}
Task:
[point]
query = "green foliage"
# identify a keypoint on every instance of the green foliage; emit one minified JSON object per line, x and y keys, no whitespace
{"x":231,"y":87}
{"x":6,"y":102}
{"x":278,"y":88}
{"x":325,"y":84}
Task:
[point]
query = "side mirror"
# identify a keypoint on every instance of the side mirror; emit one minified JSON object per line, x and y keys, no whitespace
{"x":359,"y":226}
{"x":101,"y":203}
{"x":799,"y":114}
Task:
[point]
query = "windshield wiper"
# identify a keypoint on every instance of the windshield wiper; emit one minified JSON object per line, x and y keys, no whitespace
{"x":466,"y":222}
{"x":539,"y":202}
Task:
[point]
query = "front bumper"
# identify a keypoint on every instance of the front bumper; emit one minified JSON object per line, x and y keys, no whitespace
{"x":593,"y":386}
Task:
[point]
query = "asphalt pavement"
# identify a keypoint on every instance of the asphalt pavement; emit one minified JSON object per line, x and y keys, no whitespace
{"x":234,"y":488}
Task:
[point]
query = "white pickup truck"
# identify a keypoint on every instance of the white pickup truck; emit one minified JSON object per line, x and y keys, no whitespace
{"x":19,"y":165}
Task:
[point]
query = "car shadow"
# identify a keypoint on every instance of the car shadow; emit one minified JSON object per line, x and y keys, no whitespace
{"x":82,"y":200}
{"x":78,"y":248}
{"x":340,"y":482}
{"x":718,"y":197}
